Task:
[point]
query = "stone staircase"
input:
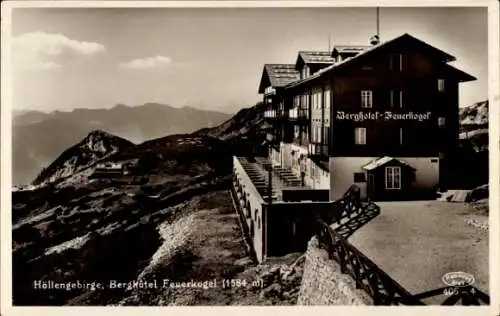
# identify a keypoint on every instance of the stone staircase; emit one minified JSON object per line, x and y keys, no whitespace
{"x":285,"y":175}
{"x":260,"y":179}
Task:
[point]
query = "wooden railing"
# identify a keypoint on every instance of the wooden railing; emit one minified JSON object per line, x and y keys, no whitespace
{"x":368,"y":276}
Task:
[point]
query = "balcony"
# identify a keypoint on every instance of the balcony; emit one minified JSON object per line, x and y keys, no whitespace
{"x":269,"y":91}
{"x":270,"y":114}
{"x":318,"y":150}
{"x":301,"y":140}
{"x":298,"y":114}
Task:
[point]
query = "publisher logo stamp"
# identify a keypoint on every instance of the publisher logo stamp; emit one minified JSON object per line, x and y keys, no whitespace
{"x":458,"y":279}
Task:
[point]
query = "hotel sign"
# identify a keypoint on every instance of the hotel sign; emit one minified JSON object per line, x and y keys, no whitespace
{"x":382,"y":116}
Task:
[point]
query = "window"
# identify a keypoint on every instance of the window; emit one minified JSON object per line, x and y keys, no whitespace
{"x":396,"y":97}
{"x":326,"y":94}
{"x":366,"y":98}
{"x":296,"y":101}
{"x":360,"y":136}
{"x":316,"y":100}
{"x":317,"y":134}
{"x":305,"y":72}
{"x":305,"y":101}
{"x":441,"y":121}
{"x":396,"y":62}
{"x":359,"y":177}
{"x":393,"y":178}
{"x":325,"y":135}
{"x":441,"y":85}
{"x":296,"y":131}
{"x":320,"y":99}
{"x":401,"y":136}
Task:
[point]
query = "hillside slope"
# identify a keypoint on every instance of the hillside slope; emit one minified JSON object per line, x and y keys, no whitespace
{"x":474,"y":116}
{"x":39,"y":138}
{"x":95,"y":146}
{"x":177,"y":223}
{"x":474,"y":126}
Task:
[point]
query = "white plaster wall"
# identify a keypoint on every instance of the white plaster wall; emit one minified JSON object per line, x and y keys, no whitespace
{"x":286,"y":153}
{"x":256,"y":201}
{"x":275,"y":156}
{"x":342,"y":171}
{"x":296,"y":166}
{"x":322,"y":179}
{"x":427,"y":172}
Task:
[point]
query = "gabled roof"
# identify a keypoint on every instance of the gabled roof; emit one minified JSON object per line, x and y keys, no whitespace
{"x":382,"y":161}
{"x":314,"y":57}
{"x":458,"y":74}
{"x":367,"y":52}
{"x":339,"y":49}
{"x":277,"y":75}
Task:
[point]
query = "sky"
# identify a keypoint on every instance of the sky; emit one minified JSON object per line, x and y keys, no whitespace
{"x":209,"y":58}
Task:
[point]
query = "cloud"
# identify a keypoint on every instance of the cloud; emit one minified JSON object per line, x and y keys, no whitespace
{"x":39,"y":50}
{"x":148,"y":63}
{"x":45,"y":65}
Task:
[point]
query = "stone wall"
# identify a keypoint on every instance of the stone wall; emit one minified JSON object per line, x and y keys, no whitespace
{"x":324,"y":284}
{"x":251,"y":203}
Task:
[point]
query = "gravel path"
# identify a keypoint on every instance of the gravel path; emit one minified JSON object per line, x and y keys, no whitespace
{"x":417,"y":242}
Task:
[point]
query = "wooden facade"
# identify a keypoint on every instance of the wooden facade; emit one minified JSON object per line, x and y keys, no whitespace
{"x":398,"y":98}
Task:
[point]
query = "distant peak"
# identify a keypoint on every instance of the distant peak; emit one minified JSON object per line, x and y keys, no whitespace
{"x":100,"y":133}
{"x":153,"y":104}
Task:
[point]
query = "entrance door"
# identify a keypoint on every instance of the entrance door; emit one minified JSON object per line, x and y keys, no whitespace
{"x":370,"y":189}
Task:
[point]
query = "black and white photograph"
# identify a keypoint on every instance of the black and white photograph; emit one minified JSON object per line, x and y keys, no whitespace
{"x":249,"y":155}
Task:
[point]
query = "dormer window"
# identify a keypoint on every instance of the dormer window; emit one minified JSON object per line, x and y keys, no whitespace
{"x":305,"y":72}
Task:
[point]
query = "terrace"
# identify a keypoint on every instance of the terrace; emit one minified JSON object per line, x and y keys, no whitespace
{"x":282,"y":179}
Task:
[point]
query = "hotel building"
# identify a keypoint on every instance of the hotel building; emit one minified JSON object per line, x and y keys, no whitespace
{"x":381,"y":117}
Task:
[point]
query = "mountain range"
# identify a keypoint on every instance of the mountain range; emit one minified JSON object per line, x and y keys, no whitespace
{"x":38,"y":138}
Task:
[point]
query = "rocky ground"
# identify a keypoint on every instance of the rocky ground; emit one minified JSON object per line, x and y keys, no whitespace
{"x":178,"y":228}
{"x":170,"y":218}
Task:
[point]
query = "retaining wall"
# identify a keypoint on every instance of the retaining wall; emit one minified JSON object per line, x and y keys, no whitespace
{"x":324,"y":284}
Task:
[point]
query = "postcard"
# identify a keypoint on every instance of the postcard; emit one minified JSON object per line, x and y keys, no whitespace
{"x":318,"y":157}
